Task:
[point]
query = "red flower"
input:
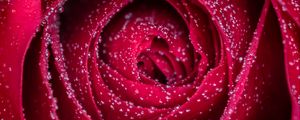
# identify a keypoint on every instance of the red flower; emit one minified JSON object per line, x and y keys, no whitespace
{"x":150,"y":59}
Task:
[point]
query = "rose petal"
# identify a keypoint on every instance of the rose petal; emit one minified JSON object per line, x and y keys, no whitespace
{"x":291,"y":7}
{"x":18,"y":23}
{"x":78,"y":29}
{"x":234,"y":22}
{"x":261,"y":90}
{"x":290,"y":32}
{"x":39,"y":102}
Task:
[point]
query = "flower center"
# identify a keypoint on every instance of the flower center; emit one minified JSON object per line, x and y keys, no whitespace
{"x":154,"y":61}
{"x":148,"y":39}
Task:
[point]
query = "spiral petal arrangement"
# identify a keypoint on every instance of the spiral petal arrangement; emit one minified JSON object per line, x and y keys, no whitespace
{"x":149,"y":59}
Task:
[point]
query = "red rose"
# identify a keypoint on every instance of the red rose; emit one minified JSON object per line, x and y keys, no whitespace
{"x":150,"y":59}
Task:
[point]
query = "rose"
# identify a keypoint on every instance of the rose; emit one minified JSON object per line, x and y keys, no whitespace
{"x":148,"y":60}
